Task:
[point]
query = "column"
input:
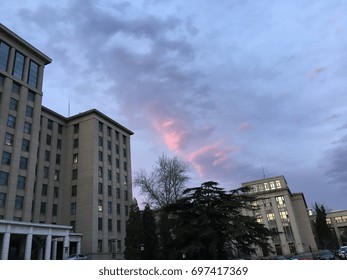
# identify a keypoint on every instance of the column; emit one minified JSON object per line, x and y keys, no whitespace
{"x":48,"y":247}
{"x":54,"y":249}
{"x":28,"y":246}
{"x":5,"y":245}
{"x":78,"y":249}
{"x":66,"y":246}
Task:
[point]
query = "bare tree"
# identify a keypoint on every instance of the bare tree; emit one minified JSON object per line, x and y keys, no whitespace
{"x":165,"y":184}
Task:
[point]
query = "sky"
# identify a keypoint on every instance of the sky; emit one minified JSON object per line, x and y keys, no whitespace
{"x":236,"y":89}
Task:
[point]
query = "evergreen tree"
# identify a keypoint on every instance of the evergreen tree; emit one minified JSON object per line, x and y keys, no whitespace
{"x":325,"y":237}
{"x":134,"y":233}
{"x":165,"y":238}
{"x":150,"y":236}
{"x":209,"y":224}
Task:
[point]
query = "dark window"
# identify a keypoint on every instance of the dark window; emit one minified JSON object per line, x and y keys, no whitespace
{"x":6,"y":158}
{"x":16,"y":88}
{"x":33,"y":73}
{"x":109,"y":207}
{"x":99,"y":223}
{"x":11,"y":121}
{"x":43,"y":208}
{"x":117,"y":149}
{"x":117,"y":163}
{"x":124,"y":153}
{"x":19,"y":202}
{"x":109,"y":225}
{"x":74,"y":174}
{"x":100,"y":126}
{"x":9,"y":139}
{"x":23,"y":163}
{"x":100,"y":156}
{"x":74,"y":190}
{"x":48,"y":140}
{"x":55,"y":210}
{"x":108,"y":131}
{"x":118,"y":193}
{"x":126,"y":198}
{"x":99,"y":246}
{"x":57,"y":159}
{"x":109,"y":145}
{"x":13,"y":104}
{"x":31,"y":95}
{"x":76,"y":128}
{"x":2,"y":199}
{"x":73,"y":208}
{"x":18,"y":65}
{"x":21,"y":182}
{"x":100,"y":187}
{"x":60,"y":129}
{"x":44,"y":189}
{"x":126,"y":210}
{"x":119,"y":226}
{"x":57,"y":175}
{"x":45,"y":172}
{"x":109,"y":175}
{"x":118,"y":209}
{"x":25,"y":145}
{"x":109,"y":190}
{"x":75,"y":143}
{"x":3,"y":178}
{"x":59,"y":144}
{"x":55,"y":192}
{"x":100,"y":141}
{"x":47,"y":155}
{"x":4,"y":54}
{"x":49,"y":124}
{"x":29,"y":111}
{"x":27,"y":128}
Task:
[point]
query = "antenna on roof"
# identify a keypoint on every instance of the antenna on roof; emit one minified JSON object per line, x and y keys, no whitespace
{"x":262,"y":168}
{"x":68,"y":109}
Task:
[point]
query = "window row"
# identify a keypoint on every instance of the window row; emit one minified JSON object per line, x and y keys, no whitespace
{"x":18,"y":65}
{"x":113,"y":246}
{"x":6,"y":160}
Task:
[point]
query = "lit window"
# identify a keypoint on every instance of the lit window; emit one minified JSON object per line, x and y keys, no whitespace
{"x":272,"y":185}
{"x":284,"y":215}
{"x":75,"y":158}
{"x":266,"y":186}
{"x":9,"y":139}
{"x":270,"y":216}
{"x":278,"y":184}
{"x":100,"y":205}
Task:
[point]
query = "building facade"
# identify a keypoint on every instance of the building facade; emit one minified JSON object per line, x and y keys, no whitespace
{"x":65,"y":182}
{"x":284,"y":213}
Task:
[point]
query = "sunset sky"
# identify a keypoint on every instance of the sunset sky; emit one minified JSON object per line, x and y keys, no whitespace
{"x":231,"y":87}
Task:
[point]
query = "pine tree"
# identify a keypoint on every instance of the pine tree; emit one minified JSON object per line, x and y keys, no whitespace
{"x":134,"y":233}
{"x":150,"y":236}
{"x":209,"y":224}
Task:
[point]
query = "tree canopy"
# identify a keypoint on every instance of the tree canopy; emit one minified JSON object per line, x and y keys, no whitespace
{"x":208,"y":223}
{"x":165,"y":184}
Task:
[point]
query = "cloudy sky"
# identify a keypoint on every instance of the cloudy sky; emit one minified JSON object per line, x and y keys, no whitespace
{"x":232,"y":87}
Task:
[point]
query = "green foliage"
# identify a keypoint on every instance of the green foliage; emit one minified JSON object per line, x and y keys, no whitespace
{"x":209,"y":224}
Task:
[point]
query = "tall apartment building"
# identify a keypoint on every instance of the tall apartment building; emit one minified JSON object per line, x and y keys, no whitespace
{"x":284,"y":213}
{"x":65,"y":182}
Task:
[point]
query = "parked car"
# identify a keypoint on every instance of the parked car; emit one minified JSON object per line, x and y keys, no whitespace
{"x":304,"y":256}
{"x":326,"y":255}
{"x":342,"y":252}
{"x":77,"y":257}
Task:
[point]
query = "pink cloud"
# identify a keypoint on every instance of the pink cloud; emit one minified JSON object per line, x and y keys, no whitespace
{"x":245,"y":126}
{"x":172,"y":132}
{"x":210,"y":157}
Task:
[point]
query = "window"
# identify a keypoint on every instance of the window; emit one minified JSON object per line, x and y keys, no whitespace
{"x":19,"y":202}
{"x":44,"y":189}
{"x":21,"y":182}
{"x":100,"y":156}
{"x":126,"y":210}
{"x":99,"y":246}
{"x":109,"y":160}
{"x":56,"y":192}
{"x":117,"y":149}
{"x":109,"y":190}
{"x":11,"y":121}
{"x":117,"y":135}
{"x":266,"y":186}
{"x":45,"y":172}
{"x":124,"y":140}
{"x":270,"y":216}
{"x":2,"y":80}
{"x":59,"y":144}
{"x":23,"y":163}
{"x":117,"y":163}
{"x":125,"y":180}
{"x":75,"y":158}
{"x":75,"y":143}
{"x":109,"y":207}
{"x":118,"y":177}
{"x":48,"y":140}
{"x":56,"y":175}
{"x":110,"y":246}
{"x":13,"y":104}
{"x":100,"y":171}
{"x":125,"y":166}
{"x":118,"y":209}
{"x":9,"y":139}
{"x":74,"y":174}
{"x":119,"y":245}
{"x":43,"y":208}
{"x":288,"y":232}
{"x":108,"y":131}
{"x":280,"y":201}
{"x":6,"y":158}
{"x":47,"y":155}
{"x":25,"y":145}
{"x":4,"y":54}
{"x":119,"y":226}
{"x":126,"y":198}
{"x":49,"y":124}
{"x":2,"y":199}
{"x":100,"y":141}
{"x":109,"y":145}
{"x":33,"y":74}
{"x":73,"y":208}
{"x":55,"y":210}
{"x":272,"y":185}
{"x":118,"y":193}
{"x":57,"y":159}
{"x":124,"y":153}
{"x":284,"y":216}
{"x":3,"y":178}
{"x":100,"y":188}
{"x":16,"y":88}
{"x":27,"y":128}
{"x":60,"y":129}
{"x":76,"y":128}
{"x":99,"y":223}
{"x":100,"y":205}
{"x":278,"y":184}
{"x":109,"y":224}
{"x":29,"y":111}
{"x":109,"y":175}
{"x":73,"y":190}
{"x":100,"y":126}
{"x":31,"y":95}
{"x":18,"y":66}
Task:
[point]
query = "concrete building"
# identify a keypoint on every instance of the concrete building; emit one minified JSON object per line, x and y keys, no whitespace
{"x":65,"y":182}
{"x":284,"y":213}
